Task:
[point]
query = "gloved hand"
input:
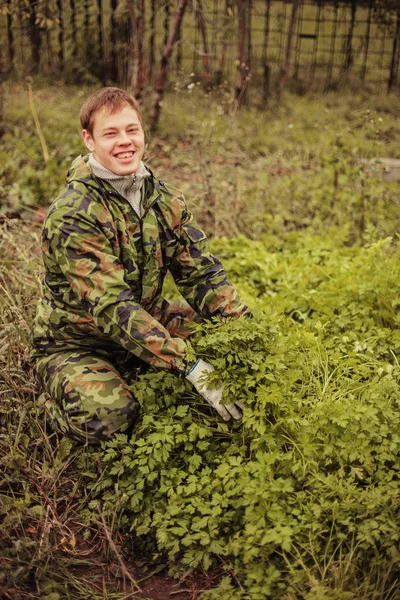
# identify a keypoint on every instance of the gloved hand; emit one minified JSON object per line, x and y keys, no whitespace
{"x":213,"y":396}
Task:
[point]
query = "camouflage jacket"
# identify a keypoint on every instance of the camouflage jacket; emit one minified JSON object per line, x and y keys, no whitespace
{"x":105,"y":267}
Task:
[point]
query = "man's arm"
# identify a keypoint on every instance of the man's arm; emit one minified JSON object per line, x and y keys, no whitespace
{"x":200,"y":276}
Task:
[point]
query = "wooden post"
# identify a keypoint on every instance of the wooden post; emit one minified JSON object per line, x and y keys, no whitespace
{"x":266,"y":69}
{"x":394,"y":63}
{"x":249,"y":57}
{"x":227,"y":18}
{"x":137,"y":26}
{"x":349,"y":58}
{"x":333,"y":42}
{"x":289,"y":41}
{"x":167,"y":15}
{"x":35,"y":38}
{"x":316,"y":33}
{"x":113,"y":40}
{"x":201,"y":24}
{"x":10,"y":37}
{"x":367,"y":37}
{"x":152,"y":37}
{"x":241,"y":82}
{"x":100,"y":29}
{"x":74,"y":29}
{"x":165,"y":59}
{"x":86,"y":21}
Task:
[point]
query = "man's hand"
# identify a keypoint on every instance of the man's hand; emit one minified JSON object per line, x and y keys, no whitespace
{"x":213,"y":396}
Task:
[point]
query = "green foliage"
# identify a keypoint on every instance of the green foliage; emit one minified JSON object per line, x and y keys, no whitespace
{"x":300,"y":499}
{"x":289,"y":167}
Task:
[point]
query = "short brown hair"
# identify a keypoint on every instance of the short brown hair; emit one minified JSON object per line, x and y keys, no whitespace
{"x":112,"y":97}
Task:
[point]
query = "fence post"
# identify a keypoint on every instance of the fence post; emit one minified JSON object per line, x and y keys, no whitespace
{"x":201,"y":24}
{"x":152,"y":37}
{"x":366,"y":46}
{"x":138,"y":72}
{"x":289,"y":40}
{"x":113,"y":40}
{"x":349,"y":58}
{"x":242,"y":79}
{"x":266,"y":69}
{"x":35,"y":37}
{"x":394,"y":63}
{"x":333,"y":42}
{"x":10,"y":37}
{"x":74,"y":30}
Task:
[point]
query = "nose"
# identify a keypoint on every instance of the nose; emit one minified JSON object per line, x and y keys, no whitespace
{"x":124,"y":138}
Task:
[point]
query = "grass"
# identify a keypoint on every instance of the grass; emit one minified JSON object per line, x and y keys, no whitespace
{"x":252,"y":173}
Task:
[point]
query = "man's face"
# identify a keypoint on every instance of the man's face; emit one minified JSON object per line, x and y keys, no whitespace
{"x":117,"y":141}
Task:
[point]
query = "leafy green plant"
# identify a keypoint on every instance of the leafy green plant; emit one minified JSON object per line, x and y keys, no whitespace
{"x":300,"y":499}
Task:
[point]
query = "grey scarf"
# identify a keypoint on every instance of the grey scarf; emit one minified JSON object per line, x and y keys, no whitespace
{"x":128,"y":186}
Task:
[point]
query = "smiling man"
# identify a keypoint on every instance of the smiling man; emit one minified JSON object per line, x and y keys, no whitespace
{"x":109,"y":240}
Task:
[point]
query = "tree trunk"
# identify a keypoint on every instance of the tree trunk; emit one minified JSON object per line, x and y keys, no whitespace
{"x":166,"y":21}
{"x":315,"y":45}
{"x":10,"y":38}
{"x":367,"y":38}
{"x":100,"y":30}
{"x":333,"y":41}
{"x":138,"y":72}
{"x":201,"y":24}
{"x":286,"y":62}
{"x":60,"y":52}
{"x":86,"y":23}
{"x":241,"y":81}
{"x":74,"y":29}
{"x":2,"y":128}
{"x":394,"y":64}
{"x":162,"y":74}
{"x":349,"y":58}
{"x":249,"y":58}
{"x":49,"y":44}
{"x":179,"y":51}
{"x":152,"y":37}
{"x":266,"y":69}
{"x":228,"y":13}
{"x":35,"y":37}
{"x":113,"y":40}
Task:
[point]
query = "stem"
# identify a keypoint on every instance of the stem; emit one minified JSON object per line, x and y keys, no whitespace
{"x":45,"y":151}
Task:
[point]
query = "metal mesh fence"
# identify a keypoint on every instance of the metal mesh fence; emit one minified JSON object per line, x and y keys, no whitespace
{"x":333,"y":42}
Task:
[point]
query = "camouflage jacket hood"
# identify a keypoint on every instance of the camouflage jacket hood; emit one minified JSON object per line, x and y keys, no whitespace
{"x":105,"y":267}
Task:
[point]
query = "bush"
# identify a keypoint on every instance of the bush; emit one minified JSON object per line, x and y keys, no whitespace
{"x":301,"y":498}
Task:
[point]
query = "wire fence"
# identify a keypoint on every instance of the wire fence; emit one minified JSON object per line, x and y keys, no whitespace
{"x":332,"y":42}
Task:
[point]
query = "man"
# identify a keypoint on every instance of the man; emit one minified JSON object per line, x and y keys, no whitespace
{"x":109,"y":239}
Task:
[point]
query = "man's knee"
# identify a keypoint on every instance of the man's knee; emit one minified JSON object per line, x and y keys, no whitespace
{"x":86,"y":421}
{"x":89,"y":400}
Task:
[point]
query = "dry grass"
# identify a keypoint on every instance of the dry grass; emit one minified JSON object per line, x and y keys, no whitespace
{"x":45,"y":548}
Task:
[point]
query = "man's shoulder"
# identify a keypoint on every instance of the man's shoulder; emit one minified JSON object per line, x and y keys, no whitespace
{"x":74,"y":196}
{"x":76,"y":203}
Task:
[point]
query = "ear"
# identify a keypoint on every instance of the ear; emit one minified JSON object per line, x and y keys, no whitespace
{"x":88,"y":140}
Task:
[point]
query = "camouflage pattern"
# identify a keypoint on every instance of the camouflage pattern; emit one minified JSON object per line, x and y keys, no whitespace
{"x":88,"y":400}
{"x":105,"y":268}
{"x":88,"y":395}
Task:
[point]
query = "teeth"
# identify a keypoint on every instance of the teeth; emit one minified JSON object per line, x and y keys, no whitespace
{"x":125,"y":155}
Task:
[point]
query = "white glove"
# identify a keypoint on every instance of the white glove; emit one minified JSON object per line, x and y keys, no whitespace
{"x":213,"y":396}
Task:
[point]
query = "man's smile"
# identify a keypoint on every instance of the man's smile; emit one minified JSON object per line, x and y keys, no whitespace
{"x":124,"y":154}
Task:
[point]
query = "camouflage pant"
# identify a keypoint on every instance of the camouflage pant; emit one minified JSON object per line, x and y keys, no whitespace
{"x":89,"y":399}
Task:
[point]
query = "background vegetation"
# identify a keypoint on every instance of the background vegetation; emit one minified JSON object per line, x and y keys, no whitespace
{"x":256,"y":48}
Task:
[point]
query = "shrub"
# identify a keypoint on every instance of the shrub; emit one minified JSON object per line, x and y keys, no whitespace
{"x":299,"y":499}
